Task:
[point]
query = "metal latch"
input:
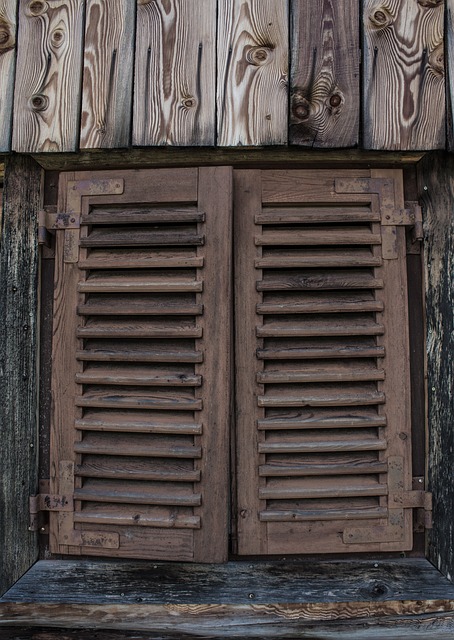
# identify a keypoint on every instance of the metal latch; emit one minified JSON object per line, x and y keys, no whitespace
{"x":51,"y":220}
{"x":47,"y":502}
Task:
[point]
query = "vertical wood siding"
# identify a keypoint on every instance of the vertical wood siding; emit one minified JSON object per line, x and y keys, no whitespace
{"x":175,"y":73}
{"x":18,"y":365}
{"x":48,"y":74}
{"x":7,"y":64}
{"x":404,"y":94}
{"x":215,"y":72}
{"x":325,"y":74}
{"x":107,"y":79}
{"x":252,"y":72}
{"x":436,"y":190}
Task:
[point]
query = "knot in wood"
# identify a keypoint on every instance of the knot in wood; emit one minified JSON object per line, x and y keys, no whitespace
{"x":381,"y":18}
{"x":37,"y":8}
{"x":189,"y":103}
{"x":39,"y":102}
{"x":57,"y":38}
{"x":258,"y":56}
{"x":335,"y":100}
{"x":437,"y":60}
{"x":430,"y":4}
{"x":6,"y":37}
{"x":301,"y":108}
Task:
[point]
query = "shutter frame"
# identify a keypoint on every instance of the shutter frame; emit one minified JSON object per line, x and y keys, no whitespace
{"x":259,"y":532}
{"x":210,"y":191}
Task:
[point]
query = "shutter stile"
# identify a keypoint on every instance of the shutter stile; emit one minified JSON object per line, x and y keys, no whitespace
{"x":140,"y":394}
{"x":315,"y":436}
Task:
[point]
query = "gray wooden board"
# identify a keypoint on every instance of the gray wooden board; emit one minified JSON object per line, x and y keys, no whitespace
{"x":124,"y":582}
{"x":18,"y":362}
{"x":436,"y":188}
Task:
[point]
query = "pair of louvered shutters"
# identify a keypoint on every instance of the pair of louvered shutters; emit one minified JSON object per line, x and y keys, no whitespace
{"x":154,"y":294}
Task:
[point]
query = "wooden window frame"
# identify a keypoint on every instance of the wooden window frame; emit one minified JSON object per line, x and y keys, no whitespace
{"x":22,"y":201}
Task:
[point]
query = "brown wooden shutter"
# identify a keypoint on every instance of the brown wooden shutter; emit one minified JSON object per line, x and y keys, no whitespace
{"x":141,"y":364}
{"x":323,"y":420}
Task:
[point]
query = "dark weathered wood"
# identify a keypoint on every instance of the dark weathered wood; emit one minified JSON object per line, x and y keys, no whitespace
{"x":337,"y":599}
{"x":8,"y":10}
{"x":436,"y":188}
{"x":48,"y":73}
{"x":403,"y":75}
{"x":18,"y":364}
{"x":324,"y":95}
{"x":107,"y":77}
{"x":372,"y":580}
{"x":252,"y":54}
{"x":174,"y":87}
{"x":139,"y":158}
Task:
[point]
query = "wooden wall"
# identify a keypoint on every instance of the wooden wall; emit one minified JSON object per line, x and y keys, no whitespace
{"x":103,"y":74}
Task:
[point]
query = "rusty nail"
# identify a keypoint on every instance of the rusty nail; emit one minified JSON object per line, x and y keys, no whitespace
{"x":243,"y":513}
{"x":251,"y":596}
{"x":388,"y":217}
{"x":73,"y":220}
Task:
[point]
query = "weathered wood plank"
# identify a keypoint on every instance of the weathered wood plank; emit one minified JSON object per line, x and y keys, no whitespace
{"x":215,"y":197}
{"x":83,"y":582}
{"x":436,"y":188}
{"x":8,"y":10}
{"x":252,"y":72}
{"x":175,"y":73}
{"x":18,"y":364}
{"x":48,"y":75}
{"x":449,"y":52}
{"x":324,"y":110}
{"x":404,"y":78}
{"x":162,"y":156}
{"x":107,"y":76}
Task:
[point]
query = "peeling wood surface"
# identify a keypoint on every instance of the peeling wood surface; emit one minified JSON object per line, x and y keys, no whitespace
{"x":48,"y":73}
{"x":404,"y":90}
{"x":107,"y":77}
{"x":436,"y":189}
{"x":252,"y":72}
{"x":175,"y":73}
{"x":18,"y":365}
{"x":8,"y":10}
{"x":324,"y":109}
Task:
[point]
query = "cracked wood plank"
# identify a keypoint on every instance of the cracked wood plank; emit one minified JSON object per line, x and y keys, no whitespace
{"x":252,"y":72}
{"x":404,"y":76}
{"x":324,"y":110}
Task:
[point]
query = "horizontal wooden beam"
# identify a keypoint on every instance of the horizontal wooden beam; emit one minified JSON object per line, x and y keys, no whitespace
{"x":259,"y":156}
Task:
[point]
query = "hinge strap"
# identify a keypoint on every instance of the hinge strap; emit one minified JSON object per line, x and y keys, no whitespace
{"x":47,"y":502}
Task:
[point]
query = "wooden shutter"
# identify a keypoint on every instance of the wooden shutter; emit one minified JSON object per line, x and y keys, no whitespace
{"x":323,"y":421}
{"x":141,"y":364}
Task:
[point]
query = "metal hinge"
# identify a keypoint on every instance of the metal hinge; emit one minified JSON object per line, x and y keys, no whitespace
{"x":423,"y":510}
{"x":47,"y":502}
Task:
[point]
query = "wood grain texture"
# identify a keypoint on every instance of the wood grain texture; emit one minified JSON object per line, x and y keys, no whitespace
{"x":175,"y":73}
{"x":404,"y":77}
{"x":107,"y":76}
{"x":377,"y":581}
{"x":252,"y":72}
{"x":18,"y":365}
{"x":8,"y":10}
{"x":324,"y":109}
{"x":169,"y":156}
{"x":449,"y":52}
{"x":48,"y":76}
{"x":436,"y":189}
{"x":215,"y":198}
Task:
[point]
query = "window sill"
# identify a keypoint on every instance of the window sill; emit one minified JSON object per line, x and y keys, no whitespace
{"x":335,"y":599}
